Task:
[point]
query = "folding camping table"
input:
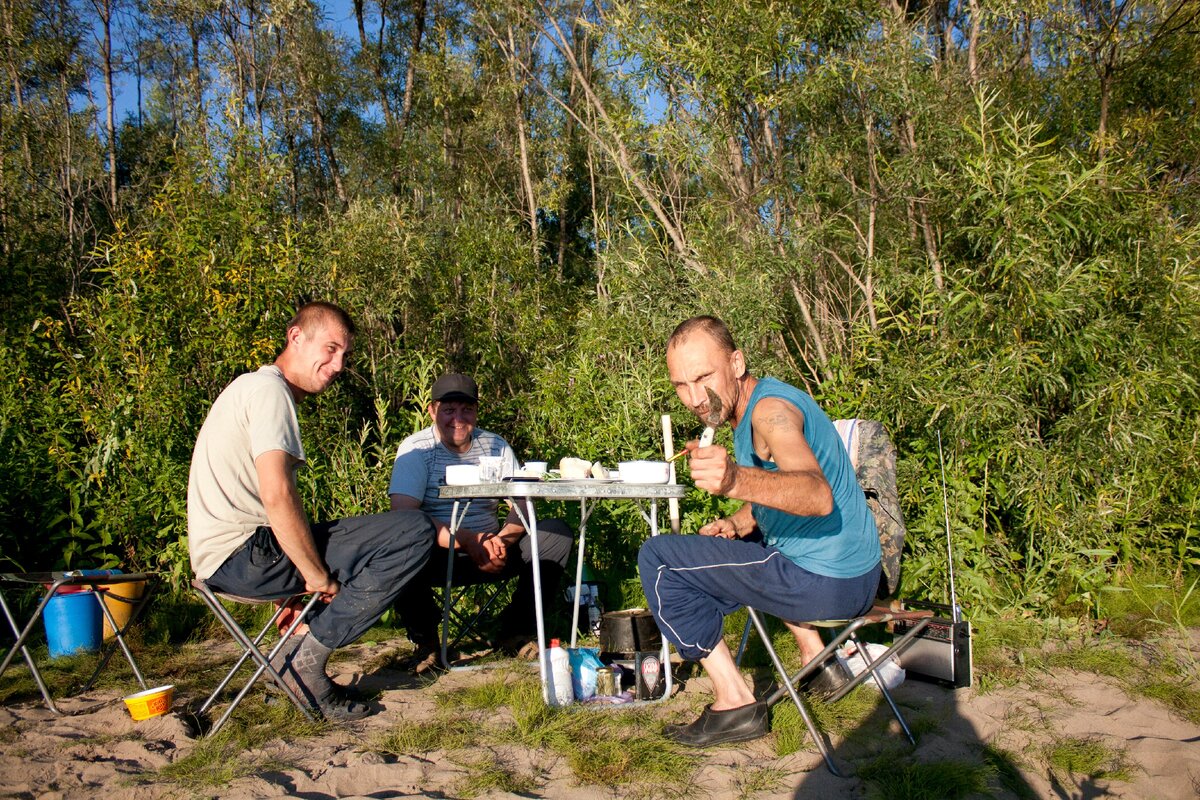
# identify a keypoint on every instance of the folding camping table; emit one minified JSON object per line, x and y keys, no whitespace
{"x":522,"y":494}
{"x":53,"y":581}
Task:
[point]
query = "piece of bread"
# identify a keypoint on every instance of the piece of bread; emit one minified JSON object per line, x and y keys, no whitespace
{"x":574,"y":468}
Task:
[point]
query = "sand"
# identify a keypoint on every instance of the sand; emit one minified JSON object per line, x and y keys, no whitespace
{"x":99,"y":751}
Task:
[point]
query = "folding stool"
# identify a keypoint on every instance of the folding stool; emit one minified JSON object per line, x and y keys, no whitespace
{"x":251,"y":647}
{"x":879,"y":615}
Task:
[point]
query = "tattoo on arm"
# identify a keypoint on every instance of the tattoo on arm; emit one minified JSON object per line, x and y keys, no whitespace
{"x":778,"y":422}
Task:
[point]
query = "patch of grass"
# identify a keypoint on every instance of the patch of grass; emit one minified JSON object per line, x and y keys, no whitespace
{"x":216,"y":760}
{"x":620,"y":756}
{"x":998,"y":650}
{"x":490,"y":772}
{"x":62,"y":675}
{"x":751,"y":781}
{"x":503,"y":690}
{"x":1177,"y":694}
{"x":1088,"y":756}
{"x":1004,"y":767}
{"x":441,"y":733}
{"x":604,"y":747}
{"x":1115,"y":662}
{"x":893,"y":778}
{"x":836,"y":719}
{"x":1146,"y":602}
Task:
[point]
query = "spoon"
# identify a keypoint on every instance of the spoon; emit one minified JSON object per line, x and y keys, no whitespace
{"x":713,"y":417}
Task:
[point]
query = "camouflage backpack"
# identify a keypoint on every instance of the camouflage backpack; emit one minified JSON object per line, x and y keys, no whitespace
{"x":874,"y":458}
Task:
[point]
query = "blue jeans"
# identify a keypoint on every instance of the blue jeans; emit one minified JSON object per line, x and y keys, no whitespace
{"x":693,"y":582}
{"x":372,"y":557}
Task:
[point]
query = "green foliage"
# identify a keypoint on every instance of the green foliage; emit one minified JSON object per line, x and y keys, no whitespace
{"x":976,"y":254}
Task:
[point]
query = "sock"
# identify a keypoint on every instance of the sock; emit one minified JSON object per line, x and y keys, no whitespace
{"x":302,"y":666}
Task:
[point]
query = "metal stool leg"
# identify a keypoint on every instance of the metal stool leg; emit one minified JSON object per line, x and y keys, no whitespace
{"x":251,"y":650}
{"x":816,"y":734}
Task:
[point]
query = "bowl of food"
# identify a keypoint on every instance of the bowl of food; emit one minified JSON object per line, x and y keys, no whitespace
{"x":150,"y":703}
{"x":462,"y":474}
{"x":644,"y":471}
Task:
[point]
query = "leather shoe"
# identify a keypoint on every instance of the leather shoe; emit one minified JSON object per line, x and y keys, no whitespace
{"x":739,"y":724}
{"x":827,"y":680}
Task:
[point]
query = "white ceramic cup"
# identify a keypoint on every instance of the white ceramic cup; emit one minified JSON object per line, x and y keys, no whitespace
{"x":534,"y":468}
{"x":490,"y":469}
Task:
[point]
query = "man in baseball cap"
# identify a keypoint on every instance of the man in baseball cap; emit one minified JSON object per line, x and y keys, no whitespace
{"x":488,"y":549}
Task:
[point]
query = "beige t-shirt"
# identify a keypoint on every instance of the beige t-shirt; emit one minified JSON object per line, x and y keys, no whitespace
{"x":254,"y":415}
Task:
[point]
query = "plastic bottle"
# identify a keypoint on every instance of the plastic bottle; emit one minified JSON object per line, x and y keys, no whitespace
{"x":559,"y":674}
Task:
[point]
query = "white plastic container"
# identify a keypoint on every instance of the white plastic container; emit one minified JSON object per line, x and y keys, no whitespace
{"x":645,"y":471}
{"x":558,"y":672}
{"x":462,"y":475}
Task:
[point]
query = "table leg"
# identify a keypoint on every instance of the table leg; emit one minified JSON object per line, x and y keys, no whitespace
{"x":530,"y":521}
{"x":19,"y":644}
{"x":456,"y":517}
{"x":119,"y":635}
{"x":584,"y":512}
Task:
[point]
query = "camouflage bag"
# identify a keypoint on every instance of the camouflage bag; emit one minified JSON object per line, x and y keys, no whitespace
{"x":874,"y":458}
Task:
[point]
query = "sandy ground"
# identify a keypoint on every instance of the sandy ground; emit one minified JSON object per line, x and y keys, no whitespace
{"x":98,"y":749}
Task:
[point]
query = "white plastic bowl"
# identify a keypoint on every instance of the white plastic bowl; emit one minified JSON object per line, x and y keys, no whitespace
{"x":645,"y":471}
{"x":462,"y":474}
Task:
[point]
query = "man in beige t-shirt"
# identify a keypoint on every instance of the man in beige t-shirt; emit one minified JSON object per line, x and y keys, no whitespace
{"x":247,"y":531}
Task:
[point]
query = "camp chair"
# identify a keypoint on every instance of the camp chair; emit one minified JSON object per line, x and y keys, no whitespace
{"x":471,"y":610}
{"x":467,"y":610}
{"x":847,"y":630}
{"x":874,"y":458}
{"x":250,"y":648}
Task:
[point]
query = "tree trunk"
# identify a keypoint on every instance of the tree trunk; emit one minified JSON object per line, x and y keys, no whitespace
{"x":410,"y":69}
{"x":611,"y":141}
{"x":104,"y":9}
{"x":973,"y":43}
{"x":18,"y":87}
{"x":519,"y":115}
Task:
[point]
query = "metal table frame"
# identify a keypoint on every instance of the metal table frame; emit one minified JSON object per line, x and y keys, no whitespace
{"x":55,"y":581}
{"x":521,"y":495}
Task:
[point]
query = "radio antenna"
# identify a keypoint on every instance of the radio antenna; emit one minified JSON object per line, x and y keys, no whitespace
{"x":956,"y":612}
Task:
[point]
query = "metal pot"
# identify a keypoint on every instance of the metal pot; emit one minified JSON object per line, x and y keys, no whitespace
{"x":630,"y":631}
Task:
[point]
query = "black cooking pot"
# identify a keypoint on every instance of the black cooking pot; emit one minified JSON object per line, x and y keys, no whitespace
{"x":630,"y":631}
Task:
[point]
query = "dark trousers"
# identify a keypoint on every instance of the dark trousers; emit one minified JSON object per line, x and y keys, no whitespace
{"x":693,"y":582}
{"x":421,"y":615}
{"x":371,"y":557}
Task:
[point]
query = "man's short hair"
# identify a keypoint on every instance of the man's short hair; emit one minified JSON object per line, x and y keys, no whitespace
{"x":319,"y":312}
{"x":713,"y":326}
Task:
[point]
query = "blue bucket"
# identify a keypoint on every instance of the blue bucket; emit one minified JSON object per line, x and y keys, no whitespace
{"x":72,"y":624}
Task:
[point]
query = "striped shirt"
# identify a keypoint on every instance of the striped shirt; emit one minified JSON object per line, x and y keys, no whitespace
{"x":420,"y":472}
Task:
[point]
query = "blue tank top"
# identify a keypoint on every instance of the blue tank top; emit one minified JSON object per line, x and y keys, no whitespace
{"x":841,"y":544}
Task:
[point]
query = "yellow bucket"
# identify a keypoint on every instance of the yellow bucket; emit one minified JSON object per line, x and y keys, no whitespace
{"x":151,"y":702}
{"x":120,"y":609}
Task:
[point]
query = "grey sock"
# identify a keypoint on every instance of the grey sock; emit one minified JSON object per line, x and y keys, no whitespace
{"x":304,"y":670}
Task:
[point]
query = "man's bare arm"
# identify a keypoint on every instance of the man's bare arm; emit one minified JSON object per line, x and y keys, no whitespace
{"x":285,"y":515}
{"x":798,"y":487}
